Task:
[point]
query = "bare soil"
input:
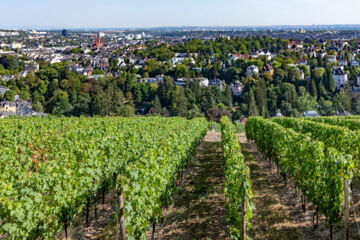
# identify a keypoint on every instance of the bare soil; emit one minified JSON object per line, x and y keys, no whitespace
{"x":198,"y":210}
{"x":279,"y":213}
{"x":79,"y":230}
{"x":198,"y":207}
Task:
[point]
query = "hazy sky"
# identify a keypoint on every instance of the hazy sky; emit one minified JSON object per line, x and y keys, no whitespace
{"x":155,"y":13}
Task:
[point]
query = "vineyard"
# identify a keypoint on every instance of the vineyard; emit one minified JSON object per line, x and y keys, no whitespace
{"x":55,"y":170}
{"x":320,"y":155}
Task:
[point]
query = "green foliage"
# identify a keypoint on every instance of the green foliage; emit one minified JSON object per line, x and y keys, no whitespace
{"x":337,"y":137}
{"x":237,"y":180}
{"x":10,"y":95}
{"x":318,"y":170}
{"x":52,"y":166}
{"x":126,"y":111}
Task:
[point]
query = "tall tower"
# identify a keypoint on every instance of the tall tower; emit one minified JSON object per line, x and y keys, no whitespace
{"x":97,"y":43}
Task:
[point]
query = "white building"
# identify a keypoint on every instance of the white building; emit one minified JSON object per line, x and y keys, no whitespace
{"x":251,"y":70}
{"x":8,"y":34}
{"x":310,"y":114}
{"x":15,"y":45}
{"x":340,"y":77}
{"x":237,"y":88}
{"x":204,"y":82}
{"x":332,"y":59}
{"x":343,"y":62}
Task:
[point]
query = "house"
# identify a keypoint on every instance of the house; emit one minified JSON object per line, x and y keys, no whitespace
{"x":331,"y":58}
{"x":8,"y":106}
{"x":268,"y":68}
{"x":355,"y":63}
{"x":18,"y":107}
{"x":219,"y":83}
{"x":237,"y":88}
{"x":310,"y":114}
{"x":15,"y":45}
{"x":204,"y":82}
{"x":179,"y":60}
{"x":295,"y":44}
{"x":278,"y":114}
{"x":340,"y":77}
{"x":301,"y":62}
{"x":251,"y":70}
{"x":343,"y":62}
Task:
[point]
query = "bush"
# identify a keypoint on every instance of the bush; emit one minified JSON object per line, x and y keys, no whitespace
{"x":215,"y":114}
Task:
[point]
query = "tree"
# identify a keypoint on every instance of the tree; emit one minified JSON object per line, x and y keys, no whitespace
{"x":37,"y":107}
{"x":329,"y":81}
{"x":156,"y":103}
{"x":181,"y":71}
{"x":126,"y":111}
{"x":100,"y":104}
{"x":178,"y":102}
{"x":137,"y":93}
{"x":293,"y":75}
{"x":9,"y":95}
{"x":59,"y":103}
{"x":356,"y":105}
{"x":313,"y":89}
{"x":83,"y":105}
{"x":165,"y":90}
{"x":253,"y":110}
{"x":288,"y":93}
{"x":215,"y":114}
{"x":306,"y":102}
{"x":25,"y":93}
{"x":326,"y":107}
{"x":261,"y":96}
{"x":272,"y":97}
{"x":228,"y":100}
{"x":342,"y":102}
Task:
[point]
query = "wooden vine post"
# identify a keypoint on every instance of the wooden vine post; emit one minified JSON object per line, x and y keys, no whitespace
{"x":243,"y":216}
{"x":120,"y":228}
{"x":346,"y":194}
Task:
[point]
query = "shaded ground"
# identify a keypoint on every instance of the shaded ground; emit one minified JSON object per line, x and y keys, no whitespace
{"x":96,"y":227}
{"x":271,"y":217}
{"x":279,"y":214}
{"x":198,"y":211}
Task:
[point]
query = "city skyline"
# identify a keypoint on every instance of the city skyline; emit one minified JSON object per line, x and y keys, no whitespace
{"x":160,"y":13}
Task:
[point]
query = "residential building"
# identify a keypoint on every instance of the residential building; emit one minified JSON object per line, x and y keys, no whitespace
{"x":340,"y":77}
{"x":331,"y":58}
{"x":310,"y":114}
{"x":252,"y":70}
{"x":237,"y":88}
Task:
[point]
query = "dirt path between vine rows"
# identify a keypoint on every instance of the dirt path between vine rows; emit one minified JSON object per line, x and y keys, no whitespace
{"x":279,"y":214}
{"x":198,"y":210}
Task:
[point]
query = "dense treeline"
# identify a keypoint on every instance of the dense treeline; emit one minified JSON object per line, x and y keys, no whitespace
{"x":56,"y":90}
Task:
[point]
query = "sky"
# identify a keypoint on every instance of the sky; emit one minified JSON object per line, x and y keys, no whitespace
{"x":159,"y":13}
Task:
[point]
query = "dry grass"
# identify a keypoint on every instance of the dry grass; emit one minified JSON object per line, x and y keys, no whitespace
{"x":279,"y":214}
{"x":198,"y":211}
{"x":271,"y":219}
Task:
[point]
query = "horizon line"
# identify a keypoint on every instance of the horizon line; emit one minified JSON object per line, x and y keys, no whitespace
{"x":23,"y":28}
